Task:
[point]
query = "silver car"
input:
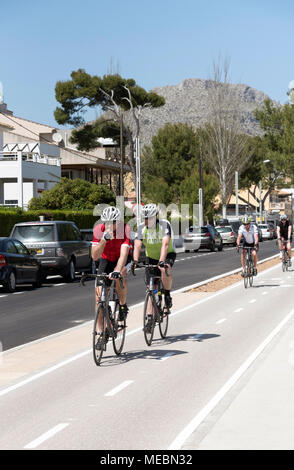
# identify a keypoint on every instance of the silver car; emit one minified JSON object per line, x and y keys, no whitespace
{"x":228,"y":235}
{"x":267,"y":234}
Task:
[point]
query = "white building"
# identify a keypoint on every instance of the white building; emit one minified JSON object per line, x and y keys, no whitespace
{"x":44,"y":148}
{"x":27,"y":166}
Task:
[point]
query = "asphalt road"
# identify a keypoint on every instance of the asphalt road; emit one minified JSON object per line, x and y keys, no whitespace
{"x":30,"y":314}
{"x":146,"y":398}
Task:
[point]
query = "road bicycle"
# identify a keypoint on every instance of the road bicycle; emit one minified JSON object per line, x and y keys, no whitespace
{"x":285,"y":257}
{"x":108,"y":306}
{"x":155,"y":311}
{"x":248,"y":268}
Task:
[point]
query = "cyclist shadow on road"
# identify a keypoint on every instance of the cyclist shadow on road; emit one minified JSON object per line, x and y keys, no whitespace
{"x":156,"y":354}
{"x":190,"y":337}
{"x":265,"y":285}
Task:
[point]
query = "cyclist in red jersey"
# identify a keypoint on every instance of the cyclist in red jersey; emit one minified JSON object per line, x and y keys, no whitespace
{"x":111,"y":245}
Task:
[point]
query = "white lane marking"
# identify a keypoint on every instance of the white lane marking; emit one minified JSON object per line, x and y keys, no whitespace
{"x":200,"y":417}
{"x":239,"y":309}
{"x":46,"y":436}
{"x":264,"y":293}
{"x":221,"y":321}
{"x":198,"y":336}
{"x":57,"y":285}
{"x":167,"y":356}
{"x":118,"y":389}
{"x":17,"y":293}
{"x":4,"y":295}
{"x":252,"y":301}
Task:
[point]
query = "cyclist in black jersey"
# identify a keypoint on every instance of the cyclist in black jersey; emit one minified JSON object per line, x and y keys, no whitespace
{"x":284,"y":232}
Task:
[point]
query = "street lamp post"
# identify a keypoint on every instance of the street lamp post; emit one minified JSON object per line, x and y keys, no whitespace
{"x":200,"y":198}
{"x":138,"y":179}
{"x":260,"y":196}
{"x":121,"y":158}
{"x":237,"y":193}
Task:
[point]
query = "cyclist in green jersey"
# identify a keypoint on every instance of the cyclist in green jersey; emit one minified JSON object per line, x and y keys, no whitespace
{"x":157,"y":237}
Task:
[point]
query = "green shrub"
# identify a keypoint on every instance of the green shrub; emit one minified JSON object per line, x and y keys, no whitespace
{"x":8,"y":218}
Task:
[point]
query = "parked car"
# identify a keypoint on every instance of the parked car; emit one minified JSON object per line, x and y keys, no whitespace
{"x":260,"y":239}
{"x":18,"y":265}
{"x":207,"y":237}
{"x":58,"y":244}
{"x":227,"y":233}
{"x":273,"y":230}
{"x":267,"y":234}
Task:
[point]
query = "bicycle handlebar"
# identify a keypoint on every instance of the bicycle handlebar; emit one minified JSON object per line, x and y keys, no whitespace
{"x":147,"y":265}
{"x":102,"y":276}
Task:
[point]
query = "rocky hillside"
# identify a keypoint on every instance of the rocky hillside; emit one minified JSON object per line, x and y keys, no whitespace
{"x":188,"y":103}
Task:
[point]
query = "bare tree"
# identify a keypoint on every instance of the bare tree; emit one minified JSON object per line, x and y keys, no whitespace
{"x":224,"y":144}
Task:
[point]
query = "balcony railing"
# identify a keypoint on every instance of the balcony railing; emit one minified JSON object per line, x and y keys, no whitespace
{"x":30,"y":157}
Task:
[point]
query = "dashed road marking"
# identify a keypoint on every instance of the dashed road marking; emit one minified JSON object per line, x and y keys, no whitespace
{"x":167,"y":356}
{"x":118,"y":389}
{"x":47,"y":435}
{"x":221,"y":321}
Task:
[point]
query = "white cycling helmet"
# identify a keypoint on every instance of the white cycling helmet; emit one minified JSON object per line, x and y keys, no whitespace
{"x":149,"y":210}
{"x":110,"y":214}
{"x":283,"y":216}
{"x":246,"y":219}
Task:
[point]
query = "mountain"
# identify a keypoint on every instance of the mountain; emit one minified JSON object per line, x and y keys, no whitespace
{"x":188,"y":103}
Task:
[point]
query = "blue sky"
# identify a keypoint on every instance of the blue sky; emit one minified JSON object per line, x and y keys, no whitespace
{"x":156,"y":42}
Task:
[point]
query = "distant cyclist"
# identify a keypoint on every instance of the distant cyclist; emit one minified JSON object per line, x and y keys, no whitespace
{"x":284,"y":232}
{"x":156,"y":235}
{"x":248,"y":234}
{"x":111,"y":245}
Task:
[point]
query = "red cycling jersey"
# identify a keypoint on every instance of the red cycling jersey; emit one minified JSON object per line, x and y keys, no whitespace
{"x":112,"y":248}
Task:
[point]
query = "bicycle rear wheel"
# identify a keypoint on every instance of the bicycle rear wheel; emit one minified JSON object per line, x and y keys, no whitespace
{"x":99,"y":339}
{"x":149,"y":320}
{"x":163,"y":322}
{"x":118,"y":330}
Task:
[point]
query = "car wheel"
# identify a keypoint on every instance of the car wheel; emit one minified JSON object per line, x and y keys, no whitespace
{"x":10,"y":283}
{"x":70,"y":274}
{"x":39,"y":280}
{"x":187,"y":251}
{"x":220,"y":248}
{"x":196,"y":251}
{"x":212,"y":246}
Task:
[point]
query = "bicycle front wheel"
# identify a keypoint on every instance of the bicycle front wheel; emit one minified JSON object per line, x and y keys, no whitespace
{"x":99,"y":339}
{"x":246,"y":277}
{"x":149,"y":319}
{"x":250,"y":270}
{"x":118,"y":330}
{"x":163,"y":322}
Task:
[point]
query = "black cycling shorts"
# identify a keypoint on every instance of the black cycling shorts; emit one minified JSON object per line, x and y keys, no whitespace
{"x":170,"y":259}
{"x":249,"y":245}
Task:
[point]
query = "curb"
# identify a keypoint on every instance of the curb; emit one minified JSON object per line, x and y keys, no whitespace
{"x":220,"y":276}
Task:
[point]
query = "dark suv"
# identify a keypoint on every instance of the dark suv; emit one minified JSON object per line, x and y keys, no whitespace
{"x":58,"y":245}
